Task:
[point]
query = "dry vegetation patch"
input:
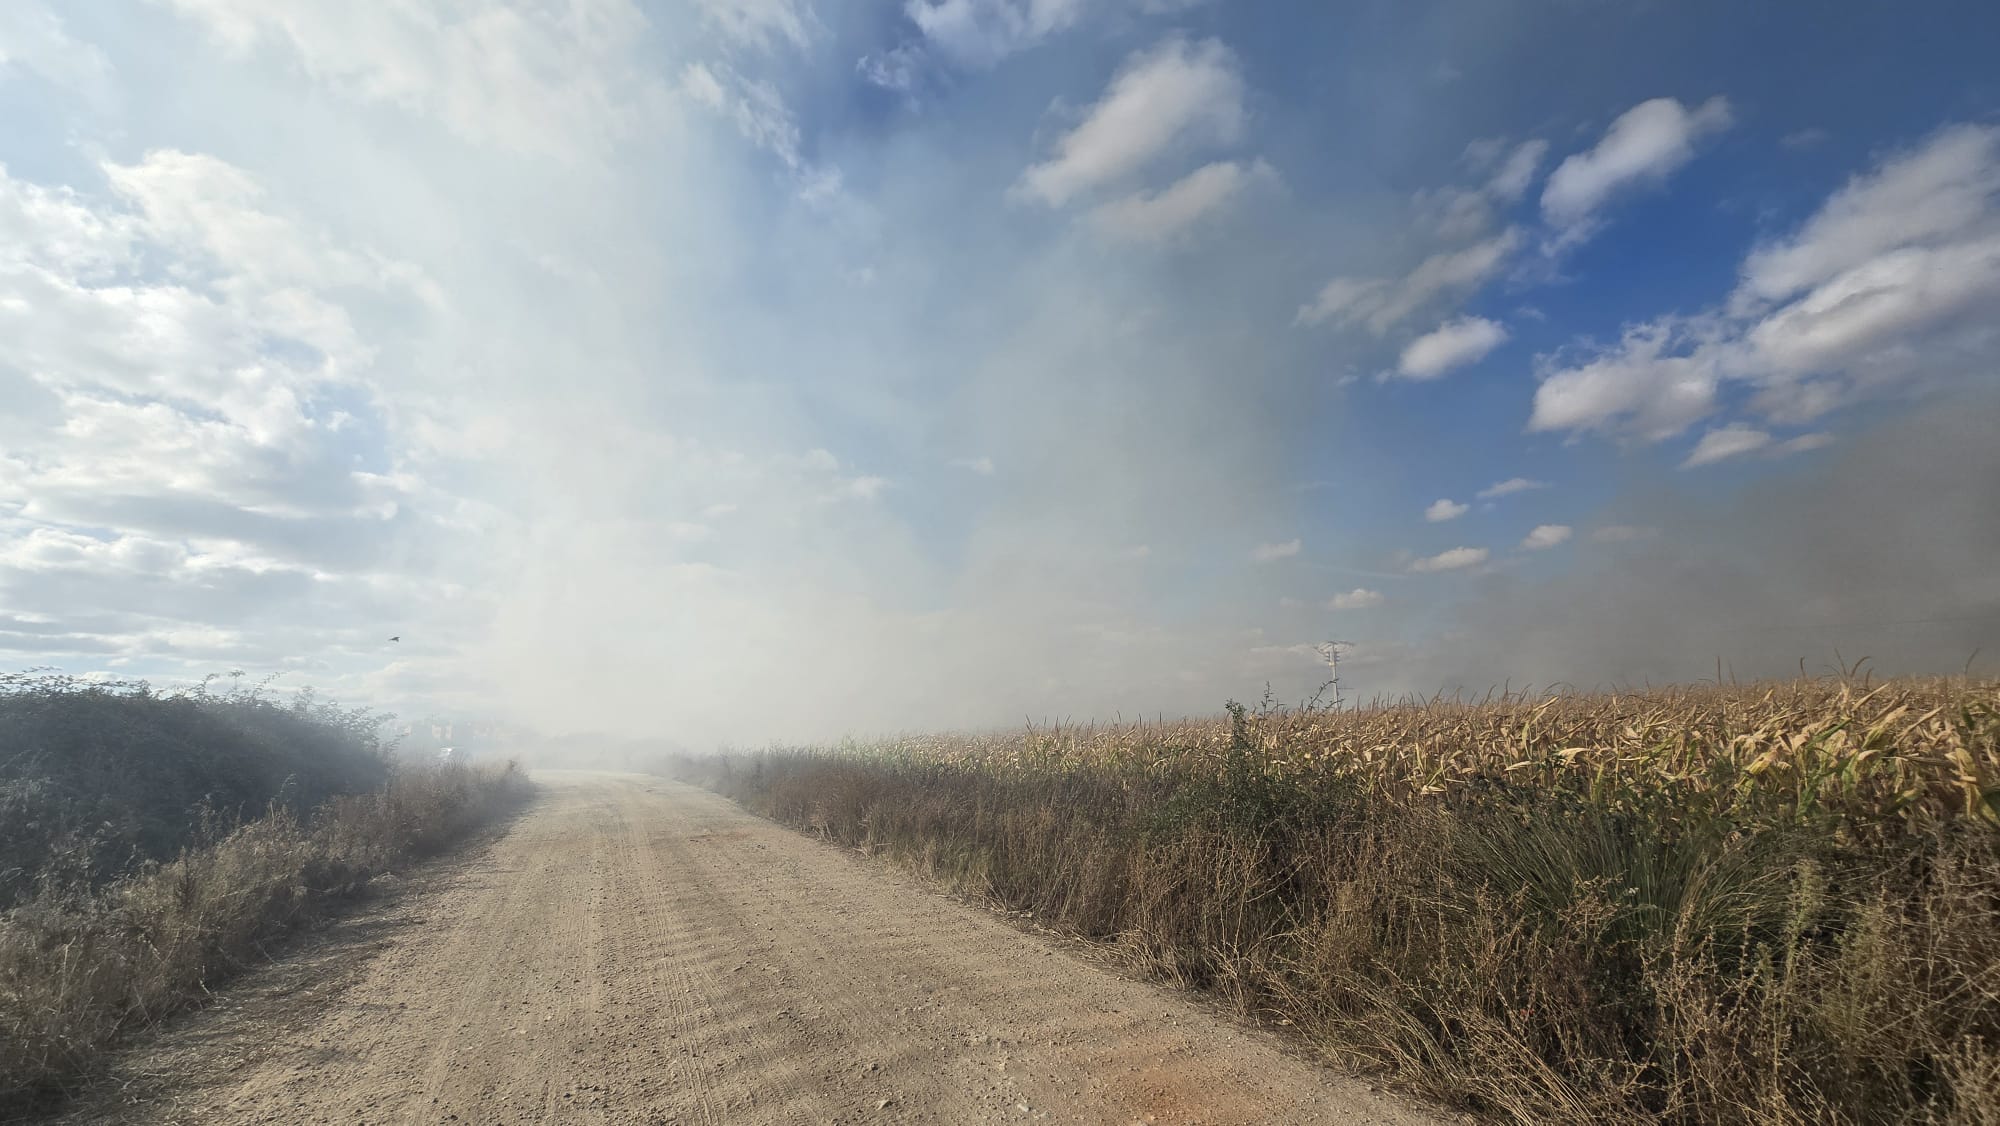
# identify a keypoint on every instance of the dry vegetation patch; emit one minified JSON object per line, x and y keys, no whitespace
{"x":147,"y":865}
{"x":1728,"y":903}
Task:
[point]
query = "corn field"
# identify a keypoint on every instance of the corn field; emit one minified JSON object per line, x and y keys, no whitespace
{"x":1911,"y":751}
{"x":1772,"y":902}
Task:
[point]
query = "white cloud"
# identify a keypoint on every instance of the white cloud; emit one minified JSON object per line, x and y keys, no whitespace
{"x":1381,"y":303}
{"x":1455,"y":559}
{"x":979,"y":33}
{"x":1926,"y":197}
{"x":1267,"y":552}
{"x":1177,"y":94}
{"x":1872,"y":306}
{"x":1511,"y":180}
{"x":195,"y":417}
{"x":1445,"y":509}
{"x":762,"y":23}
{"x":546,"y":78}
{"x":1454,"y":214}
{"x":1509,"y":487}
{"x":1892,"y":284}
{"x":1654,"y":384}
{"x":1737,"y":439}
{"x":1453,"y":344}
{"x":246,"y":277}
{"x":759,"y":113}
{"x":1725,"y":442}
{"x":980,"y":465}
{"x":1647,"y":143}
{"x":1151,"y":216}
{"x":1458,"y":213}
{"x":1546,"y":536}
{"x":897,"y":68}
{"x":1356,"y":599}
{"x":32,"y":38}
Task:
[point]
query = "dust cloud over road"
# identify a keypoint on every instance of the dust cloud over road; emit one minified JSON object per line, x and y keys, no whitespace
{"x":636,"y":951}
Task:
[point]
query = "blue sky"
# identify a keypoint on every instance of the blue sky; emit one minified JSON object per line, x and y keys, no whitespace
{"x":771,"y":368}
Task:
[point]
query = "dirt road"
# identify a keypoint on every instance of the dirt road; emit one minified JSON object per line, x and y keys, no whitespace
{"x":635,"y":951}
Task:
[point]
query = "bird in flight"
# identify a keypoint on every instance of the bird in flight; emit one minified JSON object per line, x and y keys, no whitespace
{"x":398,"y":637}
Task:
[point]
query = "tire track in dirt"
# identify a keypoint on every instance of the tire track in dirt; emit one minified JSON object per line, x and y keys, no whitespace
{"x":636,"y":951}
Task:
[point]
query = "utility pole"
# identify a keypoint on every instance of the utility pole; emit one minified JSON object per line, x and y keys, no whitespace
{"x":1331,"y":651}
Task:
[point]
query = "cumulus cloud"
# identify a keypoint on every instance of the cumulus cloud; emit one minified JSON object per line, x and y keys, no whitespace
{"x":1445,"y":509}
{"x":1655,"y":383}
{"x":1268,"y":552}
{"x":1454,"y":559}
{"x":1889,"y":286}
{"x":1381,"y":304}
{"x":184,"y":374}
{"x":1356,"y":599}
{"x":1509,"y":487}
{"x":1930,"y":196}
{"x":979,"y":33}
{"x":1645,"y":145}
{"x":1180,"y":93}
{"x":1546,"y":536}
{"x":1152,"y":216}
{"x":1453,"y":344}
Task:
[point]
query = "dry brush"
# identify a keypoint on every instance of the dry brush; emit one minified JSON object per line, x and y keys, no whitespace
{"x":1767,"y":903}
{"x":80,"y":964}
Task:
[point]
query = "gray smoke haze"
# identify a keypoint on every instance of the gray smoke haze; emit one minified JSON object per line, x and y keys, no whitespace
{"x":1886,"y":550}
{"x":657,"y":370}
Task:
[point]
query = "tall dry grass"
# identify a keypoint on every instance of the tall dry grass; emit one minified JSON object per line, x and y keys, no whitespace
{"x":1772,"y":903}
{"x":81,"y":964}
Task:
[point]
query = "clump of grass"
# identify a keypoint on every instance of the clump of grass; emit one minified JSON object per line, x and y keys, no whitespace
{"x":1766,"y":903}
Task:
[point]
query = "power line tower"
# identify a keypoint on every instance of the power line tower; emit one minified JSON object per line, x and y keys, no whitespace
{"x":1331,"y":652}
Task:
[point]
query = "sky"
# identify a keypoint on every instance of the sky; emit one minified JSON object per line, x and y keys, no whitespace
{"x":744,"y":370}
